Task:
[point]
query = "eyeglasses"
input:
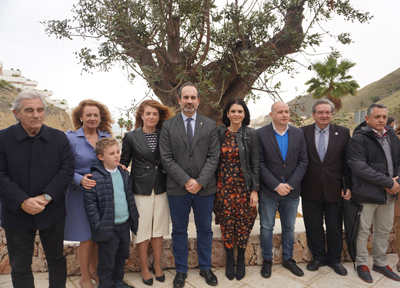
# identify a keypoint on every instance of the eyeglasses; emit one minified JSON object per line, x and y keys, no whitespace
{"x":324,"y":112}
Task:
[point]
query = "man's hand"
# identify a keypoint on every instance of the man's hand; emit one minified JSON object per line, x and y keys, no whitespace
{"x":283,"y":189}
{"x":346,"y":196}
{"x":253,"y":198}
{"x":192,"y":186}
{"x":34,"y":205}
{"x":396,"y":186}
{"x":88,"y":183}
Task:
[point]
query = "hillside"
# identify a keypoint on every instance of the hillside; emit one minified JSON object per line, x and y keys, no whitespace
{"x":387,"y":87}
{"x":385,"y":91}
{"x":55,"y":117}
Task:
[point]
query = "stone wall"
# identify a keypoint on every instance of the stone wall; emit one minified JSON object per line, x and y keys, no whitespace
{"x":253,"y":253}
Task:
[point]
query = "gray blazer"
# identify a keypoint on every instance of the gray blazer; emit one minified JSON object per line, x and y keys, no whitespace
{"x":182,"y":163}
{"x":272,"y":167}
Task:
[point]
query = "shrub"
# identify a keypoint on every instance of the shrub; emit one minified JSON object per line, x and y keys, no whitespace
{"x":375,"y":99}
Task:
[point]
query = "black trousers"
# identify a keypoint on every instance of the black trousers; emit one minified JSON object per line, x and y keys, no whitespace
{"x":314,"y":212}
{"x":112,"y":256}
{"x":20,"y":244}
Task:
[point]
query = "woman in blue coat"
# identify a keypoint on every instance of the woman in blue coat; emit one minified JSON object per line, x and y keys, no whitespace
{"x":92,"y":121}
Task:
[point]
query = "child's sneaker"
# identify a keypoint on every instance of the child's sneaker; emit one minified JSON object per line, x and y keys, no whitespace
{"x":122,"y":284}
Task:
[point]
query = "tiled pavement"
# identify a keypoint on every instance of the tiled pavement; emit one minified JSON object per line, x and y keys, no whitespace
{"x":281,"y":277}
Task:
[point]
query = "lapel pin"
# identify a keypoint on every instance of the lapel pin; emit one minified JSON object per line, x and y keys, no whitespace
{"x":336,"y":133}
{"x":201,"y":123}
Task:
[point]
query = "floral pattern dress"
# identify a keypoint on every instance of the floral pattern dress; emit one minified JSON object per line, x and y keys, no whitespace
{"x":232,"y":202}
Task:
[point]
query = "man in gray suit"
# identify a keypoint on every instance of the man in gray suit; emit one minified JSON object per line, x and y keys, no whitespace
{"x":189,"y":148}
{"x":283,"y":163}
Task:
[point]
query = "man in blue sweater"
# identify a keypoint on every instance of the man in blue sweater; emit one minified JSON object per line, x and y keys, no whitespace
{"x":283,"y":163}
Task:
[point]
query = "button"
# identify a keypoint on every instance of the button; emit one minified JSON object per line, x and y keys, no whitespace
{"x":94,"y":151}
{"x":156,"y":167}
{"x":147,"y":167}
{"x":284,"y":165}
{"x":281,"y":177}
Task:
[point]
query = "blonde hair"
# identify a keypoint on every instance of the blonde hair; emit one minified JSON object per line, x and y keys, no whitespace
{"x":103,"y":143}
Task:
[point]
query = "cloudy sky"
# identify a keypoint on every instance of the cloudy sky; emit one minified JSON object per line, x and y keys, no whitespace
{"x":51,"y":62}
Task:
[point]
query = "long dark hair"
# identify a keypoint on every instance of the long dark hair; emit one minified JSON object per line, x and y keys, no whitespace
{"x":238,"y":101}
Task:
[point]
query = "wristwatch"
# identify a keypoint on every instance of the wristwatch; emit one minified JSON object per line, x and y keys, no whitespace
{"x":47,"y":197}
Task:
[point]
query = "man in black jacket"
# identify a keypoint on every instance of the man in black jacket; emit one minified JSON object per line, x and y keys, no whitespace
{"x":36,"y":167}
{"x":373,"y":156}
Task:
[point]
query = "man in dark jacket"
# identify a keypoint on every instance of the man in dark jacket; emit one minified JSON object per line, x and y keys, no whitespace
{"x":283,"y":163}
{"x":321,"y":188}
{"x":36,"y":167}
{"x":373,"y":156}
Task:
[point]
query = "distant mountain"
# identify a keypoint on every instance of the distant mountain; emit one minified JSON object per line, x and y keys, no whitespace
{"x":384,"y":91}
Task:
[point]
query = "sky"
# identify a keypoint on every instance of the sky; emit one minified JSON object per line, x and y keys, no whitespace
{"x":50,"y":61}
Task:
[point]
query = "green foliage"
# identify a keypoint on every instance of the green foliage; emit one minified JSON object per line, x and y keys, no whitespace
{"x":340,"y":119}
{"x":220,"y":48}
{"x":332,"y":80}
{"x":375,"y":99}
{"x":119,"y":137}
{"x":4,"y":83}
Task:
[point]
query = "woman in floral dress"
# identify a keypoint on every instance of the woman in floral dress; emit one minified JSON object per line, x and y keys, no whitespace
{"x":235,"y":205}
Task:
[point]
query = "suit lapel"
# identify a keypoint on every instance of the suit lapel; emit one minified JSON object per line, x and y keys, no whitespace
{"x":181,"y":128}
{"x":333,"y":136}
{"x":197,"y":129}
{"x":145,"y":146}
{"x":272,"y":138}
{"x":310,"y":136}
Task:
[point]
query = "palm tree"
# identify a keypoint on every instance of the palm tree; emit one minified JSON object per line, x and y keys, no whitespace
{"x":121,"y":122}
{"x":332,"y":80}
{"x":128,"y":125}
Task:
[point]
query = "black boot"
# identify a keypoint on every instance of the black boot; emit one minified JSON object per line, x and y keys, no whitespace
{"x":230,"y":264}
{"x":240,"y":267}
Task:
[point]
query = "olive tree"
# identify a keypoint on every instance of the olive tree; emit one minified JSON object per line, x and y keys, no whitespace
{"x":228,"y":48}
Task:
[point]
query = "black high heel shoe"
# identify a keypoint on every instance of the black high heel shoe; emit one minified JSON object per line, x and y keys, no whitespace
{"x":148,"y":281}
{"x":160,"y":278}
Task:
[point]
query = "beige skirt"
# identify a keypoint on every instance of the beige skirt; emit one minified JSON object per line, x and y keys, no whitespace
{"x":153,"y":217}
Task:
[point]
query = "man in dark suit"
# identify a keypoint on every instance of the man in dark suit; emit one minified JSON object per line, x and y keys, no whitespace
{"x":321,"y":189}
{"x":283,"y":162}
{"x":189,"y":148}
{"x":36,"y":167}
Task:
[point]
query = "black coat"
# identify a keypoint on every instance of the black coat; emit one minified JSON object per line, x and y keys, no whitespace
{"x":326,"y":177}
{"x":147,"y":171}
{"x":99,"y":203}
{"x":31,"y":166}
{"x":248,"y":153}
{"x":369,"y":167}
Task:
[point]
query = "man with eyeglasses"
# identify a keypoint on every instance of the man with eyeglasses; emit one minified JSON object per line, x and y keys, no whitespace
{"x":321,"y":188}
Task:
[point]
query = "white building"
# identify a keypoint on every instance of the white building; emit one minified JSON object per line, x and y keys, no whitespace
{"x":14,"y":77}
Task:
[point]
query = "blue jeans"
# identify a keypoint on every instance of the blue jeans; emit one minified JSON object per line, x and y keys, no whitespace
{"x":180,"y":207}
{"x":287,"y":209}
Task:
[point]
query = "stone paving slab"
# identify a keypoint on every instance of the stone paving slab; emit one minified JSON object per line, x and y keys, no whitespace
{"x":325,"y":277}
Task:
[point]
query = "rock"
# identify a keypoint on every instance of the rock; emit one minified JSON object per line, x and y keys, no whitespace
{"x":193,"y":260}
{"x":307,"y":255}
{"x":254,"y":239}
{"x":218,"y":256}
{"x":276,"y":240}
{"x":5,"y":265}
{"x":73,"y":268}
{"x":302,"y":238}
{"x":297,"y":252}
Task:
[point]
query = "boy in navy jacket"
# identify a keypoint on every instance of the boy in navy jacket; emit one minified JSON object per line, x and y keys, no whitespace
{"x":112,"y":213}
